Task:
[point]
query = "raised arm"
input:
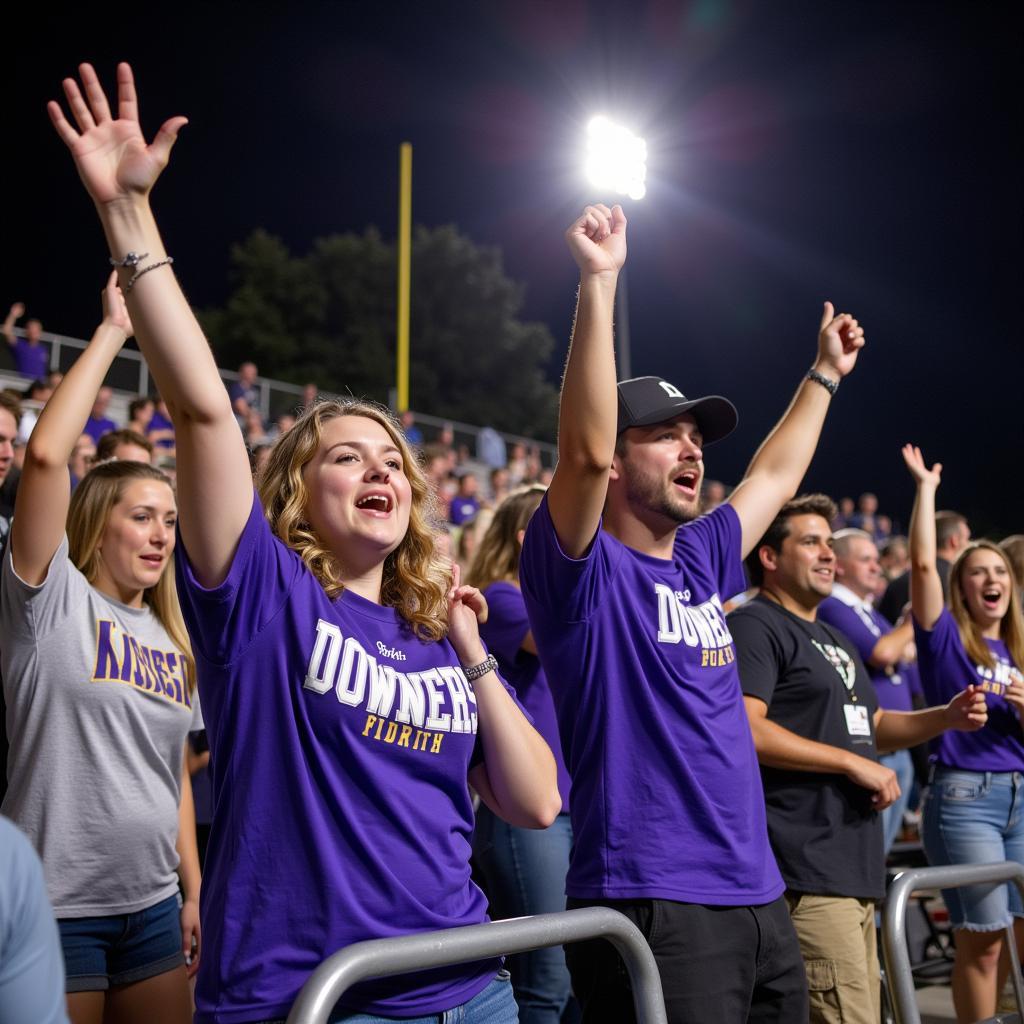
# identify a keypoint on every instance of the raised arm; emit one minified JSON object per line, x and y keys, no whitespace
{"x":926,"y":600}
{"x":41,"y":511}
{"x":780,"y":463}
{"x":7,"y":327}
{"x":119,"y":169}
{"x":588,"y":409}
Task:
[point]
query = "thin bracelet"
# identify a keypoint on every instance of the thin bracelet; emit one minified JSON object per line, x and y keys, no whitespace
{"x":476,"y":671}
{"x":831,"y":386}
{"x":145,"y":270}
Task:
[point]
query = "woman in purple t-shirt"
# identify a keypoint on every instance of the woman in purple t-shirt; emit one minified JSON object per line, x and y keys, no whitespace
{"x":972,"y":811}
{"x":334,"y":653}
{"x":524,"y":869}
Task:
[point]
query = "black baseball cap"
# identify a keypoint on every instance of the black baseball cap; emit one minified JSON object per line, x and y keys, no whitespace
{"x":644,"y":401}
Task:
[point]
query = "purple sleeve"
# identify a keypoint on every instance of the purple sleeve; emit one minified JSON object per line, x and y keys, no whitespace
{"x":507,"y":625}
{"x":718,"y":538}
{"x":939,"y":649}
{"x":568,"y":588}
{"x":758,"y":655}
{"x":224,"y":620}
{"x":849,"y":623}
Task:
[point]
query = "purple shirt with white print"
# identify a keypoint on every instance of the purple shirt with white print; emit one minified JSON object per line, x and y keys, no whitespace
{"x":864,"y":626}
{"x":945,"y":671}
{"x":340,"y":745}
{"x":666,"y":800}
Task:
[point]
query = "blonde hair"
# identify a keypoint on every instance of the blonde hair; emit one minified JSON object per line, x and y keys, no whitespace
{"x":497,"y":557}
{"x":416,"y":579}
{"x":1011,"y":628}
{"x":94,"y":497}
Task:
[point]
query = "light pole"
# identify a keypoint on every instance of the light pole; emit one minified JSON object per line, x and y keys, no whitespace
{"x":616,"y":161}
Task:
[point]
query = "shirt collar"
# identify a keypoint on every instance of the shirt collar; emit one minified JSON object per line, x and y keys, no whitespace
{"x":843,"y":593}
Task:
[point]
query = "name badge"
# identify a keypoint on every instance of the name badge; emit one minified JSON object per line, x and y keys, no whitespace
{"x":857,"y":721}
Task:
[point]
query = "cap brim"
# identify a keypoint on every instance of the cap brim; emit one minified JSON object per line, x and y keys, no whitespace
{"x":716,"y":416}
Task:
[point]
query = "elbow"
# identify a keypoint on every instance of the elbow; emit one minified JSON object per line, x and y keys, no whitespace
{"x":545,"y":812}
{"x":40,"y":455}
{"x":200,"y":413}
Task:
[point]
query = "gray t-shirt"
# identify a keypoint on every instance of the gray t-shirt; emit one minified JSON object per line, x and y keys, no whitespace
{"x":98,"y":710}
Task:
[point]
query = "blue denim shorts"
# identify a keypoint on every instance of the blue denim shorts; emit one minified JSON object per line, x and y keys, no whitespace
{"x":100,"y":952}
{"x":976,"y":818}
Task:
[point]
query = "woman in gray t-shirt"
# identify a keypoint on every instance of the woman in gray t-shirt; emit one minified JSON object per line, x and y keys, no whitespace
{"x":99,"y":681}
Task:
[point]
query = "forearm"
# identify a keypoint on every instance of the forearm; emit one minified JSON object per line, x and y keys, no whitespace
{"x":926,"y":599}
{"x":187,"y":845}
{"x":897,"y":730}
{"x":889,"y":649}
{"x":519,"y":765}
{"x":166,"y":328}
{"x":777,"y":747}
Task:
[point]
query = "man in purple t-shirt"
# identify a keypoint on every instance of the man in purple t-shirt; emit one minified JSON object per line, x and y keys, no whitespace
{"x":624,"y":586}
{"x":99,"y":423}
{"x":885,"y":649}
{"x":31,"y":357}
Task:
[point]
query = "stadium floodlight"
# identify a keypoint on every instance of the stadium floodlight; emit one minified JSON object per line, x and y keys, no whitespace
{"x":616,"y":158}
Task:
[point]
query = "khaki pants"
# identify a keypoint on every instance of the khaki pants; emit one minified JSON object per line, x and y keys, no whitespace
{"x":839,"y":947}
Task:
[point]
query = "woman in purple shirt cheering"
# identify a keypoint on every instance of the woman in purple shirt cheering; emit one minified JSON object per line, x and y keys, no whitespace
{"x":346,"y":692}
{"x":972,"y":811}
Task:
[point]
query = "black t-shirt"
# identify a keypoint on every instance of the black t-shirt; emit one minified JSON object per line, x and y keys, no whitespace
{"x":826,"y":835}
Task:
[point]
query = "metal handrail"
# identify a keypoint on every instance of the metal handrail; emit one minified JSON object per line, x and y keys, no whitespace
{"x":380,"y":958}
{"x":899,"y":977}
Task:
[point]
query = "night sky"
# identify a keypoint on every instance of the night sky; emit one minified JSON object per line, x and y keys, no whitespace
{"x":857,"y":151}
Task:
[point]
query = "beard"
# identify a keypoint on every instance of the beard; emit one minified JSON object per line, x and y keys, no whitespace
{"x":648,"y":493}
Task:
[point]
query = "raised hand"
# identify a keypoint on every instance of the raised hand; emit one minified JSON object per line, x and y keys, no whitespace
{"x":840,"y":338}
{"x":597,"y":239}
{"x":115,"y":312}
{"x":17,"y":311}
{"x":918,"y":470}
{"x":113,"y":159}
{"x":467,"y":608}
{"x":967,"y":711}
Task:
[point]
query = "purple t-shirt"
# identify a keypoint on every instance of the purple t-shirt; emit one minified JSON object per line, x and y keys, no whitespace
{"x":503,"y":632}
{"x":462,"y":510}
{"x":31,"y":360}
{"x":666,"y":793}
{"x":340,"y":745}
{"x":945,"y":671}
{"x":160,"y":422}
{"x":864,"y":627}
{"x":96,"y":428}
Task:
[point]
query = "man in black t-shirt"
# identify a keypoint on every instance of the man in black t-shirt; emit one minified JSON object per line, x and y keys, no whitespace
{"x":817,"y":728}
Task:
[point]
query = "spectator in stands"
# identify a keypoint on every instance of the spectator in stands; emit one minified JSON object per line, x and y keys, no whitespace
{"x":624,"y":591}
{"x":500,"y":486}
{"x":140,"y":414}
{"x":31,"y":358}
{"x":10,"y":413}
{"x":99,"y":422}
{"x":413,"y":434}
{"x":161,"y":429}
{"x":844,"y":514}
{"x":972,"y":807}
{"x":865,"y":517}
{"x":524,"y":869}
{"x":713,"y":495}
{"x":126,"y":445}
{"x":37,"y":394}
{"x":31,"y":965}
{"x":245,"y":395}
{"x":283,"y":424}
{"x":1013,"y":548}
{"x":490,"y":448}
{"x":333,"y":552}
{"x":817,"y":727}
{"x":894,"y":558}
{"x":517,"y":465}
{"x":886,"y":651}
{"x":310,"y":393}
{"x":466,"y":502}
{"x":952,"y":534}
{"x":883,"y":529}
{"x":83,"y":454}
{"x":435,"y":468}
{"x":253,"y":430}
{"x":98,"y":684}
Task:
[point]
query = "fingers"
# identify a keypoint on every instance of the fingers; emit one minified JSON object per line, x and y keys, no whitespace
{"x":127,"y":102}
{"x":68,"y":134}
{"x":94,"y":93}
{"x":618,"y":220}
{"x":161,"y":145}
{"x":827,"y":316}
{"x":79,"y":109}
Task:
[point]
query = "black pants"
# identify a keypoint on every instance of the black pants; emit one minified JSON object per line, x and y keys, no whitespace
{"x":728,"y":965}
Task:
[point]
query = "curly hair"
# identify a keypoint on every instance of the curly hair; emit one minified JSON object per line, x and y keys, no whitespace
{"x":416,"y":579}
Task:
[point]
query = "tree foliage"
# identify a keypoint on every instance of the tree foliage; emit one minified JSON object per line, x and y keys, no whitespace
{"x":329,"y":316}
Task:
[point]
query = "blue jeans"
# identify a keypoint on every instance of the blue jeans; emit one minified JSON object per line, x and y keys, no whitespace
{"x":494,"y":1005}
{"x":892,"y":817}
{"x":976,"y":818}
{"x":525,"y":873}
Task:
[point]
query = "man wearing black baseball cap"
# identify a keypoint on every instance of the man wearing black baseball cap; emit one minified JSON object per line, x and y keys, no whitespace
{"x":624,"y":586}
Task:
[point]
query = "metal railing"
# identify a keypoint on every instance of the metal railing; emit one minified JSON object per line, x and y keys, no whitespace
{"x":899,"y":977}
{"x":380,"y":958}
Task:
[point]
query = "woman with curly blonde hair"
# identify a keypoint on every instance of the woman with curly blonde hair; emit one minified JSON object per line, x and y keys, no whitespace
{"x":349,"y":701}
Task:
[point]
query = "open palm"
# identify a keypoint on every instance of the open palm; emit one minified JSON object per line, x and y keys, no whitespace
{"x":112,"y":157}
{"x":918,"y":470}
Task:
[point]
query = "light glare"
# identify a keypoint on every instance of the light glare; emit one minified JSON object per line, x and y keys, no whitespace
{"x":616,"y":158}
